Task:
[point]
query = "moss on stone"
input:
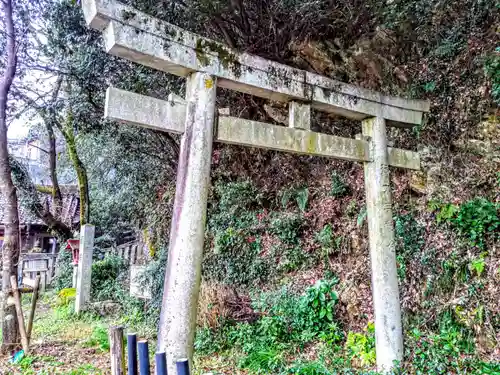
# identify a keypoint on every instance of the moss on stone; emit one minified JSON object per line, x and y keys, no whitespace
{"x":127,"y":15}
{"x":200,"y":53}
{"x":327,"y":92}
{"x":227,"y":58}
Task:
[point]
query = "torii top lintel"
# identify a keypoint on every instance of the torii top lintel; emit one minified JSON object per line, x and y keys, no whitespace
{"x":138,"y":37}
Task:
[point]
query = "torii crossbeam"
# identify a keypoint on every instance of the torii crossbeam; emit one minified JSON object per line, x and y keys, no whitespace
{"x":138,"y":37}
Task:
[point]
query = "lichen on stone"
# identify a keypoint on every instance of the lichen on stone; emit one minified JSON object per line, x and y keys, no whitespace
{"x":227,"y":58}
{"x":201,"y":54}
{"x":127,"y":15}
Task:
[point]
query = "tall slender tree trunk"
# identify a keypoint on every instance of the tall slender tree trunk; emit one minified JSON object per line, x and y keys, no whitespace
{"x":56,"y":190}
{"x":49,"y":120}
{"x":81,"y":172}
{"x":10,"y":247}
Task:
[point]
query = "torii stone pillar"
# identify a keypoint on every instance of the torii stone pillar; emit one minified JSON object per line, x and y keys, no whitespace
{"x":388,"y":330}
{"x":183,"y":274}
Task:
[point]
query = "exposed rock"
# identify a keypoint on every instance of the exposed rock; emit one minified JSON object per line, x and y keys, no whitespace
{"x":490,"y":129}
{"x":418,"y":182}
{"x":280,"y":115}
{"x":316,"y":57}
{"x":104,"y":308}
{"x":479,"y":147}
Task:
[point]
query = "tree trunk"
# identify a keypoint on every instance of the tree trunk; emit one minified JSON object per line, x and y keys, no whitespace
{"x":49,"y":125}
{"x":56,"y":191}
{"x":81,"y":172}
{"x":10,"y":247}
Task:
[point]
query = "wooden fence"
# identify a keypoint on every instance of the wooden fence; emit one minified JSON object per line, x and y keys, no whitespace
{"x":33,"y":264}
{"x":131,"y":252}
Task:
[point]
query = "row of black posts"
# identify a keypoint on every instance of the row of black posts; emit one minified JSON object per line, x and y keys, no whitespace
{"x":140,"y":350}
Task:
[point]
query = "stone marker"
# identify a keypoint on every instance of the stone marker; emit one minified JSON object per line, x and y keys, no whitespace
{"x":84,"y":267}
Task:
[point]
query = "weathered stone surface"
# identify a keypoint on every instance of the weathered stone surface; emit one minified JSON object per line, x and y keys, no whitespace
{"x":137,"y":288}
{"x":250,"y":133}
{"x":133,"y":35}
{"x":185,"y":254}
{"x":277,"y":114}
{"x":388,"y":328}
{"x":418,"y":182}
{"x":403,"y":158}
{"x":299,"y":116}
{"x":146,"y":111}
{"x":234,"y":130}
{"x":84,"y":267}
{"x":104,"y":308}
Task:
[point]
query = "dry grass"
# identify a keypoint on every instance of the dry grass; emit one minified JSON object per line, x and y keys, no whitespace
{"x":218,"y":303}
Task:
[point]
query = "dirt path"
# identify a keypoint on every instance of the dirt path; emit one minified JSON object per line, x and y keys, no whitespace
{"x":63,"y":344}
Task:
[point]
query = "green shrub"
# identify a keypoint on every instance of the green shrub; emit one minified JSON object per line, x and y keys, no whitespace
{"x":308,"y":368}
{"x":108,"y":279}
{"x":235,"y":207}
{"x":98,"y":338}
{"x":65,"y":296}
{"x":444,"y":211}
{"x":478,"y":265}
{"x":492,"y":71}
{"x":287,"y":227}
{"x":361,"y":346}
{"x":286,"y":319}
{"x":304,"y":317}
{"x":262,"y":361}
{"x":338,"y":187}
{"x":447,"y":351}
{"x":64,"y":271}
{"x":477,"y":220}
{"x":204,"y":341}
{"x":410,"y":239}
{"x":235,"y":259}
{"x":328,"y":242}
{"x":300,"y":195}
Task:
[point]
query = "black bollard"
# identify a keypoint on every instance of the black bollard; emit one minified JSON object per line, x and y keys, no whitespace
{"x":161,"y":363}
{"x":132,"y":353}
{"x":143,"y":358}
{"x":182,"y":367}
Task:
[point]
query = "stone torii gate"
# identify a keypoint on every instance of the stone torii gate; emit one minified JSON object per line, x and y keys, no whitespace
{"x":135,"y":36}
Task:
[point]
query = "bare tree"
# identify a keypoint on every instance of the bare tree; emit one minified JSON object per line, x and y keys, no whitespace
{"x":10,"y":246}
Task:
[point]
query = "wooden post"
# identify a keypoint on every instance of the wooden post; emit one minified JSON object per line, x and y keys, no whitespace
{"x":34,"y":299}
{"x":388,"y":329}
{"x":117,"y":351}
{"x":20,"y":316}
{"x":183,"y":272}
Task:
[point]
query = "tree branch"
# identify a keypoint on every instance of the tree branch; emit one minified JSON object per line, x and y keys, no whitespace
{"x":31,"y":201}
{"x":11,"y":67}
